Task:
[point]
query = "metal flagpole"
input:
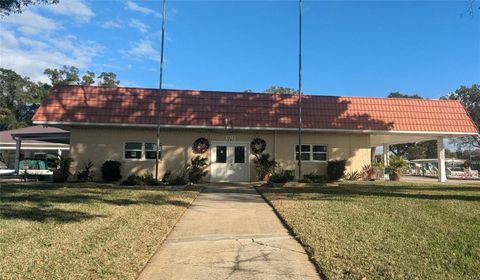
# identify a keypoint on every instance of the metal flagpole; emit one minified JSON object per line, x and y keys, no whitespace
{"x":300,"y":90}
{"x":160,"y":90}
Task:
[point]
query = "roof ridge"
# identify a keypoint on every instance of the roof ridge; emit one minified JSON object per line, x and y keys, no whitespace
{"x":252,"y":93}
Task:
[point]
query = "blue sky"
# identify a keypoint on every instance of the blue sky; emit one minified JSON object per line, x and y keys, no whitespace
{"x":354,"y":48}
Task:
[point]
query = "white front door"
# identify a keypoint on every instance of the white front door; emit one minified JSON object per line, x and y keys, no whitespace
{"x":229,"y":162}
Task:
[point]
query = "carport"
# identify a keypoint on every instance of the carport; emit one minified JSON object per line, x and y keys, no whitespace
{"x":392,"y":138}
{"x":45,"y":134}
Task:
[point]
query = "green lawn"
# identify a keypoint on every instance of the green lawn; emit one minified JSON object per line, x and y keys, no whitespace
{"x":73,"y":232}
{"x":386,"y":231}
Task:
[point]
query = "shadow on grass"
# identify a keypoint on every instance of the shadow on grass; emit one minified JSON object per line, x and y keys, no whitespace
{"x":45,"y":200}
{"x":39,"y":214}
{"x":354,"y":190}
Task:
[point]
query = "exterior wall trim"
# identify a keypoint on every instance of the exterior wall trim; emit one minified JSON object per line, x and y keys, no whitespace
{"x":259,"y":128}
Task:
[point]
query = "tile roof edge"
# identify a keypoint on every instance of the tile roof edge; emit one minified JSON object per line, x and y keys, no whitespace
{"x":56,"y":87}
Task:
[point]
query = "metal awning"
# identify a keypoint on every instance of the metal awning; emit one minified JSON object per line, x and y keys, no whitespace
{"x":52,"y":137}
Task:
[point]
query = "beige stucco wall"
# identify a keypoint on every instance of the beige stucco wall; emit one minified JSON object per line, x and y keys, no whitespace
{"x":100,"y":144}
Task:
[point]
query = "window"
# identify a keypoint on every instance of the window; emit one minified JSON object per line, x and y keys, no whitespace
{"x":151,"y":149}
{"x":305,"y":153}
{"x":239,"y":154}
{"x":133,"y":150}
{"x":221,"y":154}
{"x":141,"y":150}
{"x":319,"y":152}
{"x":312,"y":153}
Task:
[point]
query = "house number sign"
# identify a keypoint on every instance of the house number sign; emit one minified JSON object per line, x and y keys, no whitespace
{"x":230,"y":138}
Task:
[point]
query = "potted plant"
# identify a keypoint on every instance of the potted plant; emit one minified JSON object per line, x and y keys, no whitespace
{"x":397,"y":166}
{"x":264,"y":166}
{"x":196,"y":169}
{"x":368,"y":173}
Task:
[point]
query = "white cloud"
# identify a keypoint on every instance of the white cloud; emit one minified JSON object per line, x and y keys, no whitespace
{"x":144,"y":49}
{"x":140,"y":26}
{"x":77,"y":9}
{"x":30,"y":56}
{"x":8,"y":40}
{"x":136,"y":8}
{"x":111,"y":25}
{"x":29,"y":22}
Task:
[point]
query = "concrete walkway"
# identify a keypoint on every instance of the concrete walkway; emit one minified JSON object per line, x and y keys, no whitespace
{"x":229,"y":232}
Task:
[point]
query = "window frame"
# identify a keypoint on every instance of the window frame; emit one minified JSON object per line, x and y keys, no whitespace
{"x":143,"y":151}
{"x":160,"y":150}
{"x":310,"y":152}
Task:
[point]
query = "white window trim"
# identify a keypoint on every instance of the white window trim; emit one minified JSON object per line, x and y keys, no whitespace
{"x":311,"y":152}
{"x":142,"y":158}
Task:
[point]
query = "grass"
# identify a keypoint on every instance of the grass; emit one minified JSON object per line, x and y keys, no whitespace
{"x":72,"y":232}
{"x":386,"y":231}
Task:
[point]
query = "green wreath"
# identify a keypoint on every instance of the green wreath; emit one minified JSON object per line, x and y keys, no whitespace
{"x":201,"y":145}
{"x":258,"y":145}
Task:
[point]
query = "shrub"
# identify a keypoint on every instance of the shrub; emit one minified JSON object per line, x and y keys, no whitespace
{"x":264,"y":165}
{"x":146,"y":180}
{"x":111,"y":170}
{"x":196,"y":169}
{"x":133,"y":180}
{"x":149,"y":179}
{"x":314,"y":178}
{"x":177,"y":180}
{"x":61,"y":174}
{"x":86,"y":174}
{"x":335,"y":169}
{"x":282,"y":176}
{"x":368,"y":172}
{"x":353,"y":176}
{"x":167,"y":175}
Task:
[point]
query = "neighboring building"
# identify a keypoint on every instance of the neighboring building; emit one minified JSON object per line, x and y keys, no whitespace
{"x":120,"y":124}
{"x":31,"y":148}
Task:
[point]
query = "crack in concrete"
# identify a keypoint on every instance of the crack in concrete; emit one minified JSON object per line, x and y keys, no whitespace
{"x":278,"y":248}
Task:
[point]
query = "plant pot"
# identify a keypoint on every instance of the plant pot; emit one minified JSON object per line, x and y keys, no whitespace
{"x":266,"y":178}
{"x":395,"y":175}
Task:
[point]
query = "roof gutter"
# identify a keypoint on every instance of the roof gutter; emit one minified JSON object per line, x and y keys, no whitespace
{"x":245,"y":128}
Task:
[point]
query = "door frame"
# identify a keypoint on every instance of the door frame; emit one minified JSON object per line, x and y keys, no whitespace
{"x":231,"y":143}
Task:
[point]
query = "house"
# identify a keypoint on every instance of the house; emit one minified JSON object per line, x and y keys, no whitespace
{"x":34,"y":143}
{"x":120,"y":124}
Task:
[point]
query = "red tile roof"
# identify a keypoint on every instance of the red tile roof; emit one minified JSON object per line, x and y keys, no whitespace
{"x":77,"y":104}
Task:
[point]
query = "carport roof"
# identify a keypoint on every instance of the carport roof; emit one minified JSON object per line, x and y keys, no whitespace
{"x":79,"y":105}
{"x":34,"y":134}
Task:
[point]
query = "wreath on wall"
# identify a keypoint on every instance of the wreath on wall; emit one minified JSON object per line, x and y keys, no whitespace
{"x":201,"y":145}
{"x":258,"y":145}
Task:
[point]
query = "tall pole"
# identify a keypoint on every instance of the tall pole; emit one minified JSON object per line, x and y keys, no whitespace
{"x":299,"y":90}
{"x":160,"y":86}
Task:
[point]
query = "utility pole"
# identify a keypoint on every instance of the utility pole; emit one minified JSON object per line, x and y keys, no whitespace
{"x":160,"y":86}
{"x":299,"y":90}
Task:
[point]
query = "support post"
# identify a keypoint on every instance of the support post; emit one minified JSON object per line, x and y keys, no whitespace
{"x":18,"y":147}
{"x":372,"y":154}
{"x":386,"y":161}
{"x":442,"y":170}
{"x":299,"y":103}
